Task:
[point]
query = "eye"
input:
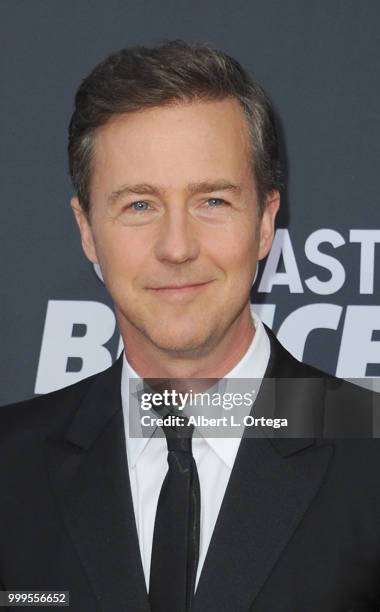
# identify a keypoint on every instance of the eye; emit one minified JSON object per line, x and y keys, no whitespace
{"x":215,"y":202}
{"x":140,"y":205}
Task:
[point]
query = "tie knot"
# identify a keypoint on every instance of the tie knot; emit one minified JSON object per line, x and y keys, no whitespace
{"x":178,"y":436}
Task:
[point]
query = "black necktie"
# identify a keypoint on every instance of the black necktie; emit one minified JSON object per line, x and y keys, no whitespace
{"x":175,"y":546}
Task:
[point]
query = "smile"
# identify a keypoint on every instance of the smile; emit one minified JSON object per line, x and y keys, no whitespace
{"x":181,"y":290}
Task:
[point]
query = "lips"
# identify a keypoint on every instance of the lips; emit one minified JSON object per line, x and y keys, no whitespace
{"x":178,"y":287}
{"x":180,"y":292}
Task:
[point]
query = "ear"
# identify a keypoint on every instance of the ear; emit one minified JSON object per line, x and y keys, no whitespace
{"x":267,"y":225}
{"x":87,"y":239}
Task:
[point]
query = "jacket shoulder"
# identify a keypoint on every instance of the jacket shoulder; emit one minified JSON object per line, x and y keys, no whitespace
{"x":284,"y":365}
{"x":44,"y":413}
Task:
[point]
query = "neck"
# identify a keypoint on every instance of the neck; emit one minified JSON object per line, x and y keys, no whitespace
{"x":149,"y":361}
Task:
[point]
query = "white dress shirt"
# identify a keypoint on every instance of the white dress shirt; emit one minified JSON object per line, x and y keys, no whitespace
{"x":215,"y":456}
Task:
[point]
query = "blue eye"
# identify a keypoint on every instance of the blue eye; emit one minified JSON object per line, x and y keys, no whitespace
{"x":215,"y":202}
{"x":140,"y":205}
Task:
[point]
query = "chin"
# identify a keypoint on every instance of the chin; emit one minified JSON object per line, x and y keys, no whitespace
{"x":180,"y":342}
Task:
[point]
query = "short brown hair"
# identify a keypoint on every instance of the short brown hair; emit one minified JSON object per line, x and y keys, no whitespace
{"x":139,"y":77}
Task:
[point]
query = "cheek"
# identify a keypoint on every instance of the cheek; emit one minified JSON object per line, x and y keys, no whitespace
{"x":235,"y":252}
{"x":120,"y":258}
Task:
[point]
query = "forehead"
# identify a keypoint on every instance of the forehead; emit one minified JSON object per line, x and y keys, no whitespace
{"x":179,"y":142}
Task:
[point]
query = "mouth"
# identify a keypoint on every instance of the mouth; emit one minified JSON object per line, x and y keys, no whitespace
{"x":180,"y":290}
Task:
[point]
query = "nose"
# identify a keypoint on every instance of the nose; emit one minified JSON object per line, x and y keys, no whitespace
{"x":177,"y":241}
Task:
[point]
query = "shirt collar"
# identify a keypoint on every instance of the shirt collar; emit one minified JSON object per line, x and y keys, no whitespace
{"x":252,"y":365}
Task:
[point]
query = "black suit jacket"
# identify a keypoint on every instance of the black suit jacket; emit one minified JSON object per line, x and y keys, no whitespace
{"x":298,"y":529}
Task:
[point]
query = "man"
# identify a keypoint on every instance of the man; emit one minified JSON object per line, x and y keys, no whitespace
{"x":174,"y":160}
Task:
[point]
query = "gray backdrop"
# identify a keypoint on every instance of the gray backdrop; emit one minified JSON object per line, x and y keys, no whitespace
{"x":319,"y":290}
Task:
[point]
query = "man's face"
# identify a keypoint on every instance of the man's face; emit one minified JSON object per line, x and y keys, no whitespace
{"x":175,"y":224}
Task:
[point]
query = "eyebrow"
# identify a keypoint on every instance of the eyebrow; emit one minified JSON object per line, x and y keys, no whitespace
{"x":192,"y":189}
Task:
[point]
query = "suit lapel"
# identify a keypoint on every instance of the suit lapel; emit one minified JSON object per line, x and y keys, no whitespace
{"x":89,"y":474}
{"x":272,"y":483}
